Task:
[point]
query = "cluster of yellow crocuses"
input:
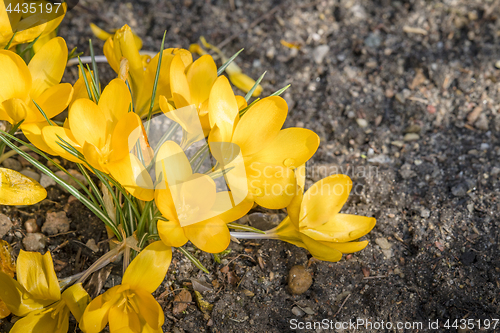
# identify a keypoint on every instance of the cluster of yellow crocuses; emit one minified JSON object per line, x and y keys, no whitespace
{"x":156,"y":193}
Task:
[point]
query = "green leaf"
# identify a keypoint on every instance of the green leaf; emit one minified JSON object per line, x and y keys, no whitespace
{"x":193,"y":259}
{"x":82,"y":68}
{"x":279,"y":92}
{"x":43,"y":113}
{"x":157,"y":77}
{"x":242,"y":112}
{"x":242,"y":227}
{"x":250,"y":93}
{"x":94,"y":67}
{"x":29,"y":46}
{"x":227,"y":63}
{"x":10,"y":41}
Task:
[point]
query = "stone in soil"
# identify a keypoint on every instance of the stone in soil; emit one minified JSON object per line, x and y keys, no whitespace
{"x":31,"y":226}
{"x":46,"y":181}
{"x":5,"y":225}
{"x":34,"y":242}
{"x":299,"y":280}
{"x":31,"y":174}
{"x":56,"y":223}
{"x":12,"y":164}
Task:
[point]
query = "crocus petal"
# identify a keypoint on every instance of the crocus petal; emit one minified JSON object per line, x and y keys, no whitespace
{"x":16,"y":298}
{"x":293,"y":208}
{"x":166,"y":205}
{"x":126,"y":133}
{"x":15,"y":76}
{"x":4,"y":310}
{"x":171,"y":233}
{"x":348,"y":247}
{"x":42,"y":322}
{"x":87,"y":123}
{"x":18,"y":189}
{"x":48,"y":65}
{"x":76,"y":299}
{"x":273,"y":186}
{"x":292,"y":147}
{"x":125,"y":46}
{"x":94,"y":158}
{"x":173,"y":162}
{"x":342,"y":228}
{"x":34,"y":133}
{"x":242,"y":102}
{"x":15,"y":108}
{"x":234,"y":213}
{"x":115,"y":100}
{"x":223,"y":108}
{"x":211,"y":236}
{"x":36,"y":274}
{"x":99,"y":33}
{"x":95,"y":317}
{"x":321,"y":251}
{"x":149,"y":309}
{"x":324,"y":199}
{"x":52,"y":101}
{"x":109,"y":52}
{"x":287,"y":232}
{"x":179,"y":84}
{"x":51,"y":135}
{"x":154,"y":260}
{"x":201,"y":75}
{"x":121,"y":321}
{"x":260,"y":125}
{"x":132,"y":174}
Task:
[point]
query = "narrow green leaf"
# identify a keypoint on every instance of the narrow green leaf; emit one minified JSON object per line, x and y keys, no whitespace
{"x":30,"y":46}
{"x":250,"y":93}
{"x":94,"y":188}
{"x":155,"y":86}
{"x":10,"y":41}
{"x":227,"y":63}
{"x":193,"y":259}
{"x":242,"y":112}
{"x":279,"y":92}
{"x":242,"y":227}
{"x":82,"y":68}
{"x":97,"y":94}
{"x":43,"y":113}
{"x":94,"y":67}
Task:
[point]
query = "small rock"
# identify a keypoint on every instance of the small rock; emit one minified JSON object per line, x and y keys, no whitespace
{"x":297,"y":311}
{"x":380,"y":159}
{"x":495,"y":171}
{"x":389,"y":93}
{"x":56,"y":223}
{"x":366,"y":271}
{"x":12,"y":164}
{"x":46,"y":181}
{"x":31,"y":226}
{"x":418,"y":162}
{"x":263,"y":221}
{"x":91,"y":244}
{"x":5,"y":225}
{"x":320,"y":52}
{"x":181,"y":302}
{"x":425,"y":213}
{"x":67,"y":179}
{"x":497,"y":64}
{"x":400,"y":98}
{"x":362,"y":122}
{"x":414,"y":128}
{"x":482,"y":122}
{"x":351,"y":115}
{"x":31,"y":174}
{"x":397,"y":143}
{"x":411,"y":137}
{"x":373,"y":40}
{"x":460,"y":190}
{"x":383,"y":243}
{"x":299,"y":280}
{"x":406,"y":172}
{"x":34,"y":242}
{"x":474,"y":114}
{"x":485,"y":146}
{"x":248,"y":293}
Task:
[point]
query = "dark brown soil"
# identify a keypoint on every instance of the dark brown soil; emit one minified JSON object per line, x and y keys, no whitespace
{"x":435,"y":198}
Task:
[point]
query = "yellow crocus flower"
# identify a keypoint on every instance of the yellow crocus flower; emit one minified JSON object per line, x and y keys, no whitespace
{"x":27,"y":24}
{"x":142,"y":69}
{"x":314,"y":221}
{"x":194,"y":209}
{"x":39,"y":81}
{"x":36,"y":296}
{"x":270,"y":153}
{"x":17,"y":189}
{"x":105,"y":133}
{"x":130,"y":307}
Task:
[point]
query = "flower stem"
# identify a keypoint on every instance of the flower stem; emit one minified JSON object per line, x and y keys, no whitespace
{"x":251,"y":235}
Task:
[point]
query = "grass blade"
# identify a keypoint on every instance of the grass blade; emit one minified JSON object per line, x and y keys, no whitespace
{"x":43,"y":113}
{"x":10,"y":41}
{"x":229,"y":61}
{"x":82,"y":68}
{"x":242,"y":227}
{"x":250,"y":93}
{"x":279,"y":92}
{"x":94,"y":67}
{"x":193,"y":259}
{"x":157,"y":77}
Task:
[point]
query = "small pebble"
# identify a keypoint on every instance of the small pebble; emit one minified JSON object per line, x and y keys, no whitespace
{"x":482,"y":122}
{"x":34,"y":242}
{"x":299,"y":280}
{"x":297,"y":311}
{"x":460,"y":190}
{"x":320,"y":52}
{"x":31,"y":226}
{"x":12,"y":164}
{"x":425,"y":213}
{"x":362,"y":122}
{"x":46,"y":181}
{"x":5,"y":225}
{"x":91,"y":244}
{"x":56,"y":223}
{"x":31,"y":174}
{"x":411,"y":137}
{"x":383,"y":243}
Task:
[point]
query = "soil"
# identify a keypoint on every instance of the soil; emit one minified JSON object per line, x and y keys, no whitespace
{"x":405,"y":97}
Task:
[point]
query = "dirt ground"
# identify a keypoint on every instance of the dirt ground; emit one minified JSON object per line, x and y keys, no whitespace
{"x":405,"y":97}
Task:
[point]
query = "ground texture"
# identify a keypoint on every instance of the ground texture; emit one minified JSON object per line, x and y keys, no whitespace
{"x":405,"y":97}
